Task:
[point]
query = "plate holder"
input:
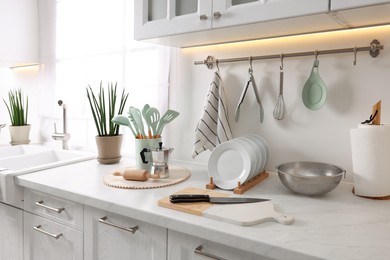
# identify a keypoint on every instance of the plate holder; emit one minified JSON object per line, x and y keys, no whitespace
{"x":242,"y":187}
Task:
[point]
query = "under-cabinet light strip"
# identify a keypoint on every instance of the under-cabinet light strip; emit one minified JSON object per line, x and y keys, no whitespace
{"x":373,"y":49}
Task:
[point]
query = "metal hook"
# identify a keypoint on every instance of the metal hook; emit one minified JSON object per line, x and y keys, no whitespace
{"x":354,"y":55}
{"x":316,"y":55}
{"x":281,"y":61}
{"x":250,"y":63}
{"x":217,"y":64}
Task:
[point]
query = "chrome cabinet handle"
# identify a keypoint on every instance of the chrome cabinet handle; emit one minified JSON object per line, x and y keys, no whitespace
{"x":217,"y":15}
{"x":40,"y":204}
{"x":39,"y":229}
{"x":199,"y":251}
{"x":203,"y":17}
{"x":128,"y":229}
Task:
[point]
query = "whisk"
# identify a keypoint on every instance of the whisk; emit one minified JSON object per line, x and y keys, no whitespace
{"x":280,"y":109}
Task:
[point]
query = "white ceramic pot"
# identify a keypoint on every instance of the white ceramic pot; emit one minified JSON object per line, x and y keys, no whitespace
{"x":20,"y":134}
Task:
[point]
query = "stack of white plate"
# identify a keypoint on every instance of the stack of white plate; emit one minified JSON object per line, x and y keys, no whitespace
{"x":238,"y":160}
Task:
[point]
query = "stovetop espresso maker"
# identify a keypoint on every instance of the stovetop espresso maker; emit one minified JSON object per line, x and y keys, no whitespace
{"x":160,"y":157}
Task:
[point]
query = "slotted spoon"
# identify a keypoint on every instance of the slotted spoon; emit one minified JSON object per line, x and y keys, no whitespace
{"x":152,"y":119}
{"x":165,"y":119}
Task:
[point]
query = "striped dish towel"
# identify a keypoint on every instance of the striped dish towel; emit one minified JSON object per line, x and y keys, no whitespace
{"x":213,"y":127}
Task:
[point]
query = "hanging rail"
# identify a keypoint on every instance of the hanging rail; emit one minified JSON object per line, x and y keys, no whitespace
{"x":373,"y":49}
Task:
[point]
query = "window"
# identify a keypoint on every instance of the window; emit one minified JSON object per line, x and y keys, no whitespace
{"x":94,"y":43}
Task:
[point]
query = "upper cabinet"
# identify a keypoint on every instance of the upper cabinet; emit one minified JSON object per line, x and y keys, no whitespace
{"x":201,"y":22}
{"x":18,"y":32}
{"x":346,"y":4}
{"x":238,"y":12}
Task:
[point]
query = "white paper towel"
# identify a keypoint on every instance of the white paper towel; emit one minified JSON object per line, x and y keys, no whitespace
{"x":371,"y":160}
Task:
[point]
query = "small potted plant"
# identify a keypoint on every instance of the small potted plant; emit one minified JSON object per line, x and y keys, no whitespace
{"x":17,"y":107}
{"x":108,"y":140}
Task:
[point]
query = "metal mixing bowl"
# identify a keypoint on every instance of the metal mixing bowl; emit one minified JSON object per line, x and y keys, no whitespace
{"x":310,"y":178}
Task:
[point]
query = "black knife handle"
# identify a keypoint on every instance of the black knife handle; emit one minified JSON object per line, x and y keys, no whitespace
{"x":177,"y":198}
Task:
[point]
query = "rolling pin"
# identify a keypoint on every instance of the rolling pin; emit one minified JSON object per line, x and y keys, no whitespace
{"x":132,"y":174}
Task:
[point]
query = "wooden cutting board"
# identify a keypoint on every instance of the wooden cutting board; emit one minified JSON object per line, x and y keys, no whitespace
{"x":246,"y":214}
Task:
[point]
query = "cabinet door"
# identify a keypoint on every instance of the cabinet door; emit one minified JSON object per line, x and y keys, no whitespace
{"x":46,"y":239}
{"x":345,"y":4}
{"x":238,"y":12}
{"x":11,"y":232}
{"x":157,"y":18}
{"x":182,"y":246}
{"x":110,"y":236}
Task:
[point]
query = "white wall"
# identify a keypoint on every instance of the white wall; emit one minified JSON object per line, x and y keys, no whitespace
{"x":321,"y":135}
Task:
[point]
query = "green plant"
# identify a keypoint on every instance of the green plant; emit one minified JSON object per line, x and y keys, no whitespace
{"x":17,"y":108}
{"x":97,"y":103}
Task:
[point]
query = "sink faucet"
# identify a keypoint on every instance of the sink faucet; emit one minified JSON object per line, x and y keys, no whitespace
{"x":64,"y":136}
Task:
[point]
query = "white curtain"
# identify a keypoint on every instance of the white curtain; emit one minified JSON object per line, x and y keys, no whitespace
{"x":94,"y":43}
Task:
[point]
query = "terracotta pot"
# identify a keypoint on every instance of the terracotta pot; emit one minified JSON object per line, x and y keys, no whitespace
{"x":109,"y":149}
{"x":20,"y":134}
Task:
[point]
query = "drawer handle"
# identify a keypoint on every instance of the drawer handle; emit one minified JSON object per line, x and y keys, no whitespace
{"x":39,"y":229}
{"x":40,"y":203}
{"x":128,"y":229}
{"x":217,"y":15}
{"x":203,"y":17}
{"x":199,"y":251}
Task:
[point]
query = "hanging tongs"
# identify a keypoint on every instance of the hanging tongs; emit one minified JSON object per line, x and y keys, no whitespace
{"x":250,"y":80}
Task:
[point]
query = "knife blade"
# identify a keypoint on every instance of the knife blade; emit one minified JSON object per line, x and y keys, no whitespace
{"x":178,"y":198}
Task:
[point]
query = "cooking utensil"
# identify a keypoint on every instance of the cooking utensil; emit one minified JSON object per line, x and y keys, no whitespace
{"x":280,"y":109}
{"x":125,"y":121}
{"x":165,"y":119}
{"x":179,"y":198}
{"x":153,"y":118}
{"x":144,"y":109}
{"x":136,"y":116}
{"x":252,"y":81}
{"x":314,"y":91}
{"x":310,"y":178}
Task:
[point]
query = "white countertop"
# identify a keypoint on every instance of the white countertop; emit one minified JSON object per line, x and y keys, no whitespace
{"x":338,"y":225}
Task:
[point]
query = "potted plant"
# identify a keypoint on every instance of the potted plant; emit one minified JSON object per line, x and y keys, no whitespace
{"x":17,"y":107}
{"x":108,"y":140}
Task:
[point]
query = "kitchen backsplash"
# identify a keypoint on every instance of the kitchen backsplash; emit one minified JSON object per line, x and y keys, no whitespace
{"x":304,"y":134}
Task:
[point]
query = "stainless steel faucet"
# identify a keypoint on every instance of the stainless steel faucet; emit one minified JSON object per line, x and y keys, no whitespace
{"x":64,"y":136}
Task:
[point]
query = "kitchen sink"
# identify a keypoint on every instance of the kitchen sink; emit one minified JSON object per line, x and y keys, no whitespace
{"x":24,"y":159}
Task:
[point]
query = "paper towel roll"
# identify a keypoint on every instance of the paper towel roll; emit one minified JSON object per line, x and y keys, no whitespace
{"x":371,"y":160}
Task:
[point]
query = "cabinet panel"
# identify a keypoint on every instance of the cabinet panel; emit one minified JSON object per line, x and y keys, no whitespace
{"x":58,"y":209}
{"x":155,"y":18}
{"x":40,"y":243}
{"x":11,"y":232}
{"x":109,"y":236}
{"x":238,"y":12}
{"x":182,"y":246}
{"x":345,"y":4}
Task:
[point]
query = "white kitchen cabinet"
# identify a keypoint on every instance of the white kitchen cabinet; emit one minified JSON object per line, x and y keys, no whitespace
{"x":182,"y":246}
{"x":156,"y":18}
{"x":19,"y":32}
{"x":238,"y":12}
{"x":111,"y":236}
{"x":346,"y":4}
{"x":46,"y":239}
{"x":11,"y":232}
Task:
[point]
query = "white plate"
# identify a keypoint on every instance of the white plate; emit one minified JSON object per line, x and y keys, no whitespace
{"x":229,"y":163}
{"x":262,"y":152}
{"x":266,"y":145}
{"x":255,"y":151}
{"x":252,"y":154}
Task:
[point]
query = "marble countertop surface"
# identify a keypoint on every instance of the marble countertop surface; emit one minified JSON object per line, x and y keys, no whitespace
{"x":338,"y":225}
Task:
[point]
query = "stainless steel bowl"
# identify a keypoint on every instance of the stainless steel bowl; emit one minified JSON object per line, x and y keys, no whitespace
{"x":310,"y":178}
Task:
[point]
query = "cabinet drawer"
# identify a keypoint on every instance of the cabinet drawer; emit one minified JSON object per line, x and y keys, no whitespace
{"x":110,"y":236}
{"x":182,"y":246}
{"x":46,"y":239}
{"x":61,"y":210}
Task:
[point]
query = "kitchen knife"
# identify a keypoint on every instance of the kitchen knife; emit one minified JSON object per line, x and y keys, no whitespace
{"x":178,"y":198}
